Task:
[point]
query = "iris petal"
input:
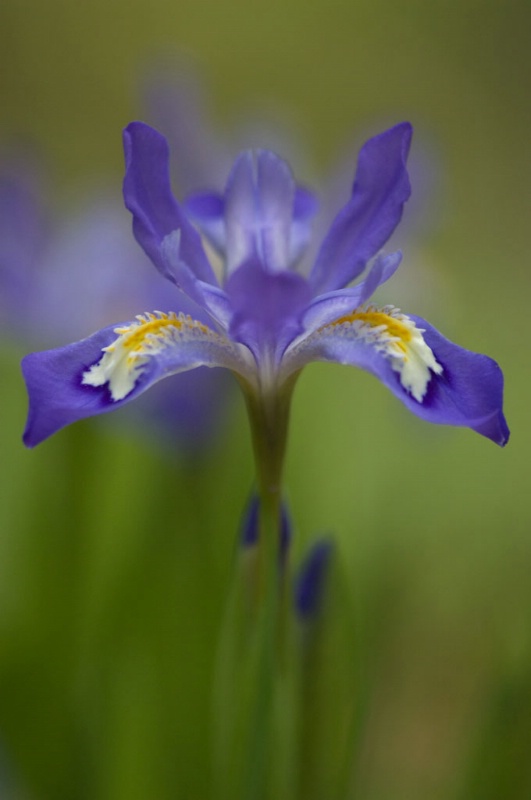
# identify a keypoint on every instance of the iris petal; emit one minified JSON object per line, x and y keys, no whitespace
{"x":115,"y":365}
{"x":156,"y":213}
{"x":462,"y":389}
{"x":366,"y":222}
{"x":258,"y":211}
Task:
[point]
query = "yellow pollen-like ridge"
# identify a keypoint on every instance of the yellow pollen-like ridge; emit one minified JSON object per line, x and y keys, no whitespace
{"x":123,"y":360}
{"x":379,"y":319}
{"x":154,"y":326}
{"x":395,"y":336}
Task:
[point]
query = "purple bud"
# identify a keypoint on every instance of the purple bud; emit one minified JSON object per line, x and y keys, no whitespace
{"x":310,"y":582}
{"x":249,"y":523}
{"x":249,"y":530}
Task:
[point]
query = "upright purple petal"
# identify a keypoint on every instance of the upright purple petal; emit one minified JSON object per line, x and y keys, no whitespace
{"x":259,"y":202}
{"x":363,"y":226}
{"x":156,"y":213}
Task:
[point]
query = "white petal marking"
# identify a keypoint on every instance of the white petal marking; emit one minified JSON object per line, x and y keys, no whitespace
{"x":392,"y":334}
{"x":124,"y":360}
{"x":396,"y":336}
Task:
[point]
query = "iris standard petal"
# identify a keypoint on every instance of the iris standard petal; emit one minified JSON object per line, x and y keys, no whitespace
{"x":113,"y":366}
{"x":259,"y":202}
{"x":156,"y":213}
{"x":436,"y":379}
{"x":207,"y":210}
{"x":366,"y":222}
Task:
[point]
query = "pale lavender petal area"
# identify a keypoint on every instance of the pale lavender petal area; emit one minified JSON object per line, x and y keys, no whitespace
{"x":259,"y":200}
{"x":305,"y":208}
{"x":56,"y":379}
{"x":362,"y":227}
{"x":328,"y":307}
{"x":207,"y":211}
{"x":175,"y":103}
{"x":156,"y":213}
{"x":467,"y":393}
{"x":24,"y":225}
{"x":209,"y":297}
{"x":268,"y":308}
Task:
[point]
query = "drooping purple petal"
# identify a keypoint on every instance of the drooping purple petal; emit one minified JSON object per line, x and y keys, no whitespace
{"x":468,"y":391}
{"x":60,"y":392}
{"x":267,"y":306}
{"x":156,"y":213}
{"x":259,"y":202}
{"x":330,"y":306}
{"x":366,"y":222}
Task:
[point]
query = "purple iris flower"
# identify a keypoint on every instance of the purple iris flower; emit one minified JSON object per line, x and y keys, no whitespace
{"x":268,"y":316}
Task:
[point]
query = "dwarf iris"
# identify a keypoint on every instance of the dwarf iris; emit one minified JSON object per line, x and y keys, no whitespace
{"x":268,"y":313}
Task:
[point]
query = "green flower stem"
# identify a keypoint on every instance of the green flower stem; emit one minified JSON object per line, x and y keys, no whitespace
{"x":269,"y":419}
{"x":268,"y":410}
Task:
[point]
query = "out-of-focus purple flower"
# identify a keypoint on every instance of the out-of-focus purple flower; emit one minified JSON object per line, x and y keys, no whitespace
{"x":269,"y":316}
{"x":62,"y":281}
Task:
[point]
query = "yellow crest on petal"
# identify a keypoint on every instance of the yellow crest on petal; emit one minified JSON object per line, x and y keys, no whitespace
{"x":123,"y":361}
{"x":396,"y":336}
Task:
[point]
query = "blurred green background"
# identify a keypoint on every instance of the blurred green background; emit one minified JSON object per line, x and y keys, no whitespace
{"x":115,"y":556}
